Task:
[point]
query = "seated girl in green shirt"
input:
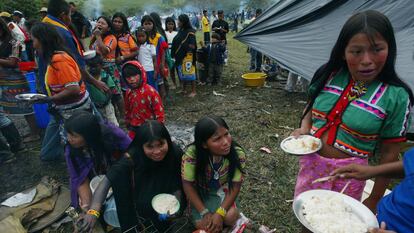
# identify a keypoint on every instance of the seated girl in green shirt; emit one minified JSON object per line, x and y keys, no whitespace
{"x":212,"y":173}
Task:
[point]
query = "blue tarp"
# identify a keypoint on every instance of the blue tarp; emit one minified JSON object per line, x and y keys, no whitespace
{"x":300,"y":34}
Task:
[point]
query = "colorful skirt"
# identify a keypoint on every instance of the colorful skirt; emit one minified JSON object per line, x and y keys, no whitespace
{"x":185,"y":77}
{"x":314,"y":166}
{"x":112,"y":70}
{"x":12,"y":83}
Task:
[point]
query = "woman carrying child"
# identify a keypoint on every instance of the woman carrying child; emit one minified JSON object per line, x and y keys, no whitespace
{"x":156,"y":39}
{"x":171,"y":32}
{"x":91,"y":149}
{"x":142,"y":101}
{"x":105,"y":43}
{"x":357,"y":85}
{"x":183,"y":50}
{"x":151,"y":167}
{"x":212,"y":173}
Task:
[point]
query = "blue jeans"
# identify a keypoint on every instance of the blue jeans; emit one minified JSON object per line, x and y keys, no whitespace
{"x":255,"y":60}
{"x":4,"y":120}
{"x":55,"y":138}
{"x":52,"y":148}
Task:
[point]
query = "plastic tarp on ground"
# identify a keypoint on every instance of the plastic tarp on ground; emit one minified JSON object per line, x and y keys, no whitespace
{"x":299,"y":34}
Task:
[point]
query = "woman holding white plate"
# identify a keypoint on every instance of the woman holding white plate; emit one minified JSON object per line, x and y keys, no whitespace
{"x":357,"y":103}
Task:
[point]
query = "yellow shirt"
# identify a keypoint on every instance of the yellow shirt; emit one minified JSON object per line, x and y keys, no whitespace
{"x":205,"y":25}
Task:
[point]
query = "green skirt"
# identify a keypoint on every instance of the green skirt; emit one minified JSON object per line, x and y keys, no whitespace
{"x":212,"y":200}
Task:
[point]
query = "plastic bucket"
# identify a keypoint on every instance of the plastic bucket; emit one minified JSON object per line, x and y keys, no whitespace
{"x":27,"y":66}
{"x":110,"y":215}
{"x":41,"y":115}
{"x":31,"y":79}
{"x":254,"y":79}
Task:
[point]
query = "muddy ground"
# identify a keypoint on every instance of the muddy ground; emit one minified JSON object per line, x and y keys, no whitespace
{"x":258,"y":117}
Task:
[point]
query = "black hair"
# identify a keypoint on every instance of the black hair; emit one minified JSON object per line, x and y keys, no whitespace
{"x":98,"y":138}
{"x":95,"y":65}
{"x":215,"y":36}
{"x":130,"y":70}
{"x":220,"y":12}
{"x":371,"y":23}
{"x":148,"y":132}
{"x":125,"y":26}
{"x":72,"y":4}
{"x":5,"y":47}
{"x":185,"y":21}
{"x":56,"y":7}
{"x":30,"y":23}
{"x":6,"y":19}
{"x":141,"y":30}
{"x":6,"y":37}
{"x":258,"y":11}
{"x":158,"y":25}
{"x":170,"y":20}
{"x":50,"y":41}
{"x":109,"y":22}
{"x":204,"y":11}
{"x":146,"y":18}
{"x":204,"y":129}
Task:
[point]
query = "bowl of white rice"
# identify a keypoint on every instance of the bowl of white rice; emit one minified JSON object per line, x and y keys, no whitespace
{"x":302,"y":145}
{"x":165,"y":203}
{"x":325,"y":211}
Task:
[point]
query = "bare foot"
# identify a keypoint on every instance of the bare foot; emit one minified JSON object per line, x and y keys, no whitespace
{"x":192,"y":94}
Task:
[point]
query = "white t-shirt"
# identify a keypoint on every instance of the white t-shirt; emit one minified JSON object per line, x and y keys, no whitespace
{"x":170,"y":37}
{"x":17,"y":34}
{"x":145,"y":54}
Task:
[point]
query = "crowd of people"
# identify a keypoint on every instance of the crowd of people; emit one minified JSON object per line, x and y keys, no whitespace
{"x":125,"y":84}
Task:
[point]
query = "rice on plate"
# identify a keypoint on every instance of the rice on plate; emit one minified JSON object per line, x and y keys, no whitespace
{"x":301,"y":145}
{"x":331,"y":214}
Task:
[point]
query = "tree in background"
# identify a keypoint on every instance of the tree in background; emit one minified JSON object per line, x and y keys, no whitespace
{"x":30,"y":8}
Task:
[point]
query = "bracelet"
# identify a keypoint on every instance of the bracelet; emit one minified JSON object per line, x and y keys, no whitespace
{"x":221,"y":211}
{"x":94,"y":213}
{"x":204,"y":212}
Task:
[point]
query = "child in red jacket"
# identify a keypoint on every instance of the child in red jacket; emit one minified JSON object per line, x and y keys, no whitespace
{"x":142,"y":102}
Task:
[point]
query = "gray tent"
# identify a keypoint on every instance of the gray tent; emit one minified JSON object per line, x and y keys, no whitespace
{"x":300,"y":34}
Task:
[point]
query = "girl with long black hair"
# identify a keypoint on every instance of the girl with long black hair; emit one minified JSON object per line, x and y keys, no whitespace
{"x":127,"y":48}
{"x":171,"y":32}
{"x":66,"y":92}
{"x":91,"y":150}
{"x":212,"y":174}
{"x":183,"y":50}
{"x":155,"y":38}
{"x":357,"y":104}
{"x":151,"y":167}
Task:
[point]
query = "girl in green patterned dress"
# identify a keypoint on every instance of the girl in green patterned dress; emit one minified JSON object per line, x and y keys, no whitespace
{"x":212,"y":173}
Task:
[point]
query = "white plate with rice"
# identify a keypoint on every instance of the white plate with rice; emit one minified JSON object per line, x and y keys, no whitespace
{"x":165,"y":203}
{"x":325,"y":211}
{"x":302,"y":145}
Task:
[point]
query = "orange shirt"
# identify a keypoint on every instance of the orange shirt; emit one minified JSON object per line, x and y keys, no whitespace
{"x":126,"y":44}
{"x":110,"y":42}
{"x":61,"y":73}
